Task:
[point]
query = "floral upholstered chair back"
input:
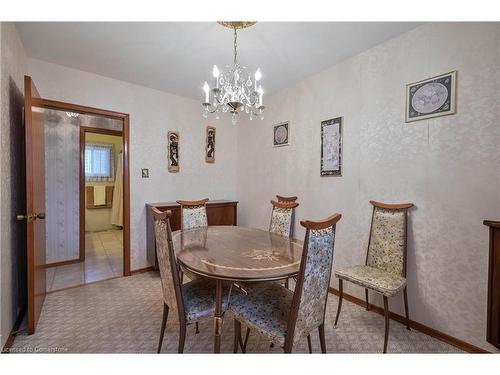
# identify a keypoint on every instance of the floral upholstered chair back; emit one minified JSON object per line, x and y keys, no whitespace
{"x":282,"y":218}
{"x":387,"y":244}
{"x":311,"y":291}
{"x":193,"y":214}
{"x":169,"y":273}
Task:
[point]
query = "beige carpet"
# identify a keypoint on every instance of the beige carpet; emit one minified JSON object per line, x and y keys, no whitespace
{"x":123,"y":315}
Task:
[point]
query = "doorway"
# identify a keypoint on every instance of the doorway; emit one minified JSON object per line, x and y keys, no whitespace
{"x":101,"y":208}
{"x":87,"y":195}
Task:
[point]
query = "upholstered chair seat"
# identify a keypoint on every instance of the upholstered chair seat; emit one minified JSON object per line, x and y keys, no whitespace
{"x":283,"y":316}
{"x":381,"y":281}
{"x":199,"y":299}
{"x":265,"y":309}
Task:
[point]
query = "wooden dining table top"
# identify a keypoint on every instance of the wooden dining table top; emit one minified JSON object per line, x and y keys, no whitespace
{"x":237,"y":253}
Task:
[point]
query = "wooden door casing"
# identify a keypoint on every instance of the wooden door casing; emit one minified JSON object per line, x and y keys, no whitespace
{"x":35,"y":204}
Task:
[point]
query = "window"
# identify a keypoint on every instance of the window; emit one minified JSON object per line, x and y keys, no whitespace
{"x":99,"y":164}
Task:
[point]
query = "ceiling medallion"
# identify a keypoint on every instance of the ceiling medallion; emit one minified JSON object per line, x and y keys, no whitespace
{"x":237,"y":24}
{"x":234,"y":90}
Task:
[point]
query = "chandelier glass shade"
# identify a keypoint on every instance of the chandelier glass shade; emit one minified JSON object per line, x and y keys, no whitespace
{"x":235,"y":89}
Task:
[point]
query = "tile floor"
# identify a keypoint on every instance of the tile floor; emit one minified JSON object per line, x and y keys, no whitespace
{"x":103,"y":260}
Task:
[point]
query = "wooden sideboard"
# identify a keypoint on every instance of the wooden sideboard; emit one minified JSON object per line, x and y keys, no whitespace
{"x":493,"y":325}
{"x":219,"y":212}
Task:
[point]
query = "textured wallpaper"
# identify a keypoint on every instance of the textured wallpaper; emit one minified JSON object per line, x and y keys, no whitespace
{"x":449,"y":167}
{"x":62,"y":186}
{"x":12,"y":199}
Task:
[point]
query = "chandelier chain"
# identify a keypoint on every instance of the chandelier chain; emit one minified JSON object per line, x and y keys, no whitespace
{"x":235,"y":46}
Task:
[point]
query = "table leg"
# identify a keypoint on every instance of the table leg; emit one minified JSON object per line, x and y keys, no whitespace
{"x":218,"y":316}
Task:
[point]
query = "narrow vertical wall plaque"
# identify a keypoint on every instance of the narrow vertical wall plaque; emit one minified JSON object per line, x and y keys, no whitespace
{"x":331,"y":147}
{"x":173,"y":151}
{"x":210,"y":145}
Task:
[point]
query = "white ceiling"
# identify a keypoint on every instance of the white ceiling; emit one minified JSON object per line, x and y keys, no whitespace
{"x":177,"y":57}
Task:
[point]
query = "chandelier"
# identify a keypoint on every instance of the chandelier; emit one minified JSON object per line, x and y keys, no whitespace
{"x":234,"y":90}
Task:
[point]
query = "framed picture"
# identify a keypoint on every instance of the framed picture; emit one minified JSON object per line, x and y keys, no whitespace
{"x":281,"y":134}
{"x":145,"y":172}
{"x":173,"y":151}
{"x":432,"y":97}
{"x":210,"y":145}
{"x":331,"y":147}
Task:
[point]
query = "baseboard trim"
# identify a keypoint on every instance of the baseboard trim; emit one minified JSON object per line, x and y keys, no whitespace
{"x":10,"y":340}
{"x":62,"y":263}
{"x":142,"y":270}
{"x":465,"y":346}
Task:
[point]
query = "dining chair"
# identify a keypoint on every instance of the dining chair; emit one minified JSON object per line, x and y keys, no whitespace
{"x":193,"y":213}
{"x":282,"y":218}
{"x":384,"y":270}
{"x":283,"y":316}
{"x":282,"y":222}
{"x":194,"y":300}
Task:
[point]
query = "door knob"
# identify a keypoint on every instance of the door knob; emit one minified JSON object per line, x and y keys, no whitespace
{"x":30,"y":217}
{"x":21,"y":217}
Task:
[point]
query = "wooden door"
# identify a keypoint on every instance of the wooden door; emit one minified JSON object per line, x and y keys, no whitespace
{"x":35,"y":203}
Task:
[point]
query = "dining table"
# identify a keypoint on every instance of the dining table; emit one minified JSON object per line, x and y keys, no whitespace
{"x":235,"y":254}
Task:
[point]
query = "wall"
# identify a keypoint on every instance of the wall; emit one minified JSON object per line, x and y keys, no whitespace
{"x":12,"y":197}
{"x":100,"y":219}
{"x":448,"y":166}
{"x":152,"y":114}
